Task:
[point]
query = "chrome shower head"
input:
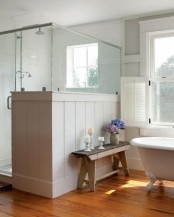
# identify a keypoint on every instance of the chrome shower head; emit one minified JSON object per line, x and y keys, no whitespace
{"x":40,"y":32}
{"x":29,"y":75}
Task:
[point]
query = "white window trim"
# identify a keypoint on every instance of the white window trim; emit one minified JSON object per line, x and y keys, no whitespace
{"x":87,"y":66}
{"x":148,"y":28}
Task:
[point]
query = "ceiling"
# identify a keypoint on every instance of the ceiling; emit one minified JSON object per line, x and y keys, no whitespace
{"x":73,"y":12}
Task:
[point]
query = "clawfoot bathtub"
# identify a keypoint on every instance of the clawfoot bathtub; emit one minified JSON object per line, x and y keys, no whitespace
{"x":157,"y":155}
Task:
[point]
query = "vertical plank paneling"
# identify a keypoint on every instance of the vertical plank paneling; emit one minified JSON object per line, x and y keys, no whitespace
{"x":98,"y":120}
{"x":70,"y":161}
{"x":58,"y":132}
{"x":45,"y":140}
{"x":90,"y":116}
{"x":109,"y":114}
{"x":32,"y":139}
{"x":80,"y":124}
{"x":98,"y":109}
{"x":19,"y":137}
{"x":46,"y":131}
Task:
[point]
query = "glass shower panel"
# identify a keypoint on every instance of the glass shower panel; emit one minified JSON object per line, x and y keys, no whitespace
{"x":18,"y":75}
{"x":84,"y":64}
{"x":109,"y":66}
{"x":36,"y":59}
{"x":7,"y":84}
{"x":70,"y":61}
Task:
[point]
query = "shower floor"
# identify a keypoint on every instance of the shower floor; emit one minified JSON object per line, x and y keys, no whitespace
{"x":6,"y":170}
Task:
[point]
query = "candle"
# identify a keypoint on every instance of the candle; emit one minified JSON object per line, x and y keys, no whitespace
{"x":101,"y":139}
{"x":86,"y":139}
{"x":90,"y":131}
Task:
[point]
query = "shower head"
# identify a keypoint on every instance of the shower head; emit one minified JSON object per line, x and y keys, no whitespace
{"x":29,"y":75}
{"x":18,"y":37}
{"x":39,"y":32}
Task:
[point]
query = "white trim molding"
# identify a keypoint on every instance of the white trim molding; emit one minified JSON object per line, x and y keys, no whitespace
{"x":147,"y":29}
{"x":160,"y":24}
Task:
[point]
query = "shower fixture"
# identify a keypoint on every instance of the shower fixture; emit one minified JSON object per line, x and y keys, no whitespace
{"x":40,"y":32}
{"x":22,"y":74}
{"x":18,"y":37}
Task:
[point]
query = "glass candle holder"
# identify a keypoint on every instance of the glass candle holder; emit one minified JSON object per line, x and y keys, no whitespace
{"x":87,"y":144}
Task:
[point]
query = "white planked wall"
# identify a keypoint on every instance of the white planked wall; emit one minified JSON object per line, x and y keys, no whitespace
{"x":47,"y":127}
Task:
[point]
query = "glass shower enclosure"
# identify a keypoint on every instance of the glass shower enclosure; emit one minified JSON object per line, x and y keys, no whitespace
{"x":48,"y":57}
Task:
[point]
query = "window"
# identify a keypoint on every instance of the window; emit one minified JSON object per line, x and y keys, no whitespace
{"x":162,"y":77}
{"x":156,"y":77}
{"x":82,"y":66}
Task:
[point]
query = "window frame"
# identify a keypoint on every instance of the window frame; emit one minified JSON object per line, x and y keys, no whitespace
{"x":86,"y":46}
{"x":151,"y":74}
{"x":148,"y":28}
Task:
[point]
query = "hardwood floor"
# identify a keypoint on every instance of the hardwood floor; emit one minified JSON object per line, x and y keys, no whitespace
{"x":116,"y":196}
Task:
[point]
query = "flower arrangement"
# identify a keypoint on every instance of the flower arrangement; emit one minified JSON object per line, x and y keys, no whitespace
{"x":114,"y":126}
{"x":119,"y":123}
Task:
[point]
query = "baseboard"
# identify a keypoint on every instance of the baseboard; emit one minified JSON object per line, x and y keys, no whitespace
{"x":32,"y":185}
{"x":65,"y":185}
{"x":44,"y":188}
{"x":135,"y":164}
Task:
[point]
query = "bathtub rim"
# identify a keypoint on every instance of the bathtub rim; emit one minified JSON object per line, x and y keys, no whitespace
{"x":144,"y":142}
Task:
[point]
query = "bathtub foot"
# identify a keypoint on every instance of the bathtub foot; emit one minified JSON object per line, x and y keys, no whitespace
{"x":152,"y":180}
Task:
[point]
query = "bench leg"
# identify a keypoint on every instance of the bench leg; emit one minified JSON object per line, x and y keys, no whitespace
{"x":91,"y":175}
{"x":116,"y":161}
{"x":87,"y":167}
{"x":83,"y":171}
{"x":122,"y":158}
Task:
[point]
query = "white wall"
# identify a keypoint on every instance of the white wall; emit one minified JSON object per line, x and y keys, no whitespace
{"x":36,"y":59}
{"x":47,"y":127}
{"x":109,"y":31}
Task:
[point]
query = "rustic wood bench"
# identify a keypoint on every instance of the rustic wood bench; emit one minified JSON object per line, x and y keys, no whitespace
{"x":88,"y":162}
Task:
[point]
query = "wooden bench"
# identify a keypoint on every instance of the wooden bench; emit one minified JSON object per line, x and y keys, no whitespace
{"x":88,"y":162}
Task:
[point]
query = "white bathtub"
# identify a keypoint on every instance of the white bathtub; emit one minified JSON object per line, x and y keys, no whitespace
{"x":157,"y":155}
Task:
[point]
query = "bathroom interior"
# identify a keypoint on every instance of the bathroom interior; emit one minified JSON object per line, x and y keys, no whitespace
{"x":94,"y":70}
{"x":39,"y":58}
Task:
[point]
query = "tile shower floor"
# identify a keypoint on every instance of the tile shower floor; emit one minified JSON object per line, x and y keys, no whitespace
{"x":6,"y":170}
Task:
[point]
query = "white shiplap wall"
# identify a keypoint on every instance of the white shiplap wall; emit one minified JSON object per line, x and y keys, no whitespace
{"x":47,"y":127}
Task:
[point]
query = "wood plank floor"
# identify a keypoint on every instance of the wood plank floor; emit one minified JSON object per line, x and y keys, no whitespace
{"x":116,"y":196}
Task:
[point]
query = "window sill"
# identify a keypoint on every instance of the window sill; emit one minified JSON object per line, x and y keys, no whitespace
{"x":162,"y":131}
{"x":94,"y":87}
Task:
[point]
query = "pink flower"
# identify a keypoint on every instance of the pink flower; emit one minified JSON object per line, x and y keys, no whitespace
{"x":111,"y":128}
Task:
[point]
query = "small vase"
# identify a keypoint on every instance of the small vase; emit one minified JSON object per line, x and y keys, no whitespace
{"x":114,"y":138}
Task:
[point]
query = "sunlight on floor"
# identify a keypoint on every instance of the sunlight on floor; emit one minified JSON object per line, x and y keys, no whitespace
{"x":129,"y":184}
{"x":168,"y":185}
{"x":110,"y":191}
{"x":133,"y":183}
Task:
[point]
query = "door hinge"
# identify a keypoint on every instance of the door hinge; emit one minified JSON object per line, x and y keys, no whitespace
{"x":149,"y":120}
{"x":149,"y":82}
